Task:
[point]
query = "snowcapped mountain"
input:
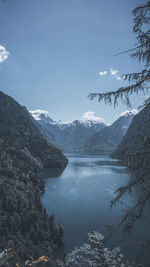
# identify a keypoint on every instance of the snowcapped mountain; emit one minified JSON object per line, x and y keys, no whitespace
{"x":83,"y":135}
{"x":134,"y":148}
{"x":41,"y":115}
{"x":69,"y":136}
{"x":109,"y":137}
{"x":127,"y":113}
{"x":42,"y":120}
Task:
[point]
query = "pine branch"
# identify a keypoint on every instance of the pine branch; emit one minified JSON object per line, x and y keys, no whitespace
{"x":137,"y":76}
{"x":131,"y":49}
{"x":122,"y":93}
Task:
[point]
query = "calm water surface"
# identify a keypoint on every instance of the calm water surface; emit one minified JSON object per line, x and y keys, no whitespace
{"x":80,"y":199}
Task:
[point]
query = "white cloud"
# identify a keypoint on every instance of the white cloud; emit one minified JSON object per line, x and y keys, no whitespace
{"x":3,"y":53}
{"x":39,"y":111}
{"x":113,"y":71}
{"x":127,"y":112}
{"x":89,"y":115}
{"x":118,"y":77}
{"x":102,"y":73}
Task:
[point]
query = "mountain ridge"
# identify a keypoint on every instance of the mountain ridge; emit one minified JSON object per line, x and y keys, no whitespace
{"x":25,"y":225}
{"x":71,"y":135}
{"x":110,"y":136}
{"x":136,"y":143}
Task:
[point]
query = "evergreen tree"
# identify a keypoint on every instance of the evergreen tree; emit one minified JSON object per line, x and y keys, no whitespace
{"x":137,"y":82}
{"x":94,"y":254}
{"x":141,"y":52}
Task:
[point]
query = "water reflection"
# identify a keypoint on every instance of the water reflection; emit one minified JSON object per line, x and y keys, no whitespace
{"x":80,"y":198}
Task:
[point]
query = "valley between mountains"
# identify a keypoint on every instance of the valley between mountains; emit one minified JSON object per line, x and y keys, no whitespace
{"x":83,"y":135}
{"x":31,"y":142}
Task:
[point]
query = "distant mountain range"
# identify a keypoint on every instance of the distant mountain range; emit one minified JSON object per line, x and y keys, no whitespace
{"x":68,"y":136}
{"x":110,"y":136}
{"x":82,"y":135}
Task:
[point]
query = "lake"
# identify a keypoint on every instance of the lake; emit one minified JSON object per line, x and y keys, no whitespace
{"x":80,"y":199}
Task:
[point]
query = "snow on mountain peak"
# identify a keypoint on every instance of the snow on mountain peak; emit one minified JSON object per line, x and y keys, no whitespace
{"x":127,"y":112}
{"x":36,"y":114}
{"x":90,"y":117}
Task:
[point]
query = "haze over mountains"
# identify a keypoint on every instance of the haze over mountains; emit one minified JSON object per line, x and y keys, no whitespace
{"x":83,"y":135}
{"x":69,"y":136}
{"x":110,"y":136}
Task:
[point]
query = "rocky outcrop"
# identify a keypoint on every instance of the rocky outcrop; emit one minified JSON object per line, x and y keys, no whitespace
{"x":25,"y":225}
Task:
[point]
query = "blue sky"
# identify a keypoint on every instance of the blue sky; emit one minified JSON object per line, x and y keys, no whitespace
{"x":58,"y":51}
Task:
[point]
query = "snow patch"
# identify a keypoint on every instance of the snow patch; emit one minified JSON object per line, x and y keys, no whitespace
{"x":90,"y":117}
{"x":36,"y":114}
{"x":127,"y":113}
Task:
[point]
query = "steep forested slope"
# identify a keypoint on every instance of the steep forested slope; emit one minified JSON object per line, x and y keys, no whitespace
{"x":24,"y":223}
{"x":134,"y":149}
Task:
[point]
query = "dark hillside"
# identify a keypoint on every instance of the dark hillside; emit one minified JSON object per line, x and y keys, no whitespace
{"x":134,"y":150}
{"x":24,"y":223}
